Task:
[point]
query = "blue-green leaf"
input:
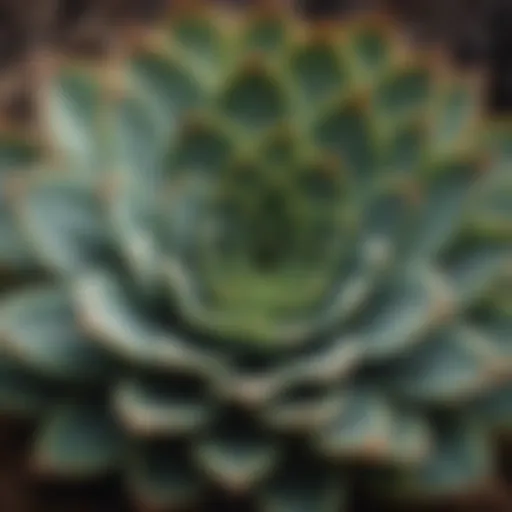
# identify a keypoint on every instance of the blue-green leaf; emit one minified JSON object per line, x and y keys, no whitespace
{"x":22,"y":393}
{"x":64,"y":221}
{"x":461,"y":460}
{"x":303,"y":485}
{"x":78,"y":442}
{"x":164,"y":406}
{"x":75,"y":109}
{"x":108,"y":310}
{"x":40,"y":331}
{"x":161,"y":476}
{"x":450,"y":365}
{"x":236,"y":454}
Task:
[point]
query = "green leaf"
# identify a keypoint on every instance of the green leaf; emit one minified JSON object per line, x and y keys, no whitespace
{"x":200,"y":42}
{"x":385,"y":218}
{"x":411,"y":438}
{"x":452,"y":122}
{"x":64,"y":221}
{"x":302,"y":408}
{"x":473,"y":263}
{"x":319,"y":72}
{"x":22,"y":393}
{"x":236,"y":454}
{"x":15,"y":251}
{"x":302,"y":485}
{"x":200,"y":148}
{"x":78,"y":442}
{"x":495,"y":408}
{"x":346,"y":132}
{"x":449,"y":366}
{"x":369,"y":430}
{"x":40,"y":330}
{"x":401,"y":312}
{"x":17,"y":157}
{"x":370,"y":47}
{"x":403,"y":92}
{"x":405,"y":151}
{"x":442,"y":213}
{"x":161,"y":476}
{"x":140,"y":140}
{"x":75,"y":109}
{"x":108,"y":310}
{"x":254,"y":100}
{"x":133,"y":221}
{"x":265,"y":35}
{"x":461,"y":460}
{"x":167,"y":87}
{"x":156,"y":407}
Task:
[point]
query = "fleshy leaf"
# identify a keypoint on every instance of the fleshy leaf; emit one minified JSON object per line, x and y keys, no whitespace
{"x":453,"y":120}
{"x":16,"y":158}
{"x":474,"y":264}
{"x":108,"y":310}
{"x":360,"y":430}
{"x":267,"y":34}
{"x":368,"y":429}
{"x":442,"y":213}
{"x":201,"y":148}
{"x":254,"y":101}
{"x":302,"y":408}
{"x":199,"y":40}
{"x":496,"y":408}
{"x":161,"y":476}
{"x":461,"y":460}
{"x":405,"y":151}
{"x":167,"y":406}
{"x":452,"y":364}
{"x":139,"y":140}
{"x":40,"y":331}
{"x":303,"y":485}
{"x":168,"y":87}
{"x":400,"y":315}
{"x":77,"y":442}
{"x":75,"y":110}
{"x":64,"y":222}
{"x":15,"y":251}
{"x":22,"y":393}
{"x":236,"y":454}
{"x":346,"y":132}
{"x":319,"y":72}
{"x":404,"y":92}
{"x":371,"y":48}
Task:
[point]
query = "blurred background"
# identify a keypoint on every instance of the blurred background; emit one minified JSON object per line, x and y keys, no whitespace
{"x":478,"y":33}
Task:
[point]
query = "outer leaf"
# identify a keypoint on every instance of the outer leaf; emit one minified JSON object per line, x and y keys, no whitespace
{"x":237,"y":455}
{"x":22,"y":393}
{"x":461,"y":459}
{"x":160,"y":476}
{"x":167,"y":406}
{"x":40,"y":331}
{"x":16,"y":158}
{"x":107,"y":309}
{"x":369,"y":429}
{"x":78,"y":441}
{"x":303,"y":485}
{"x":451,"y":365}
{"x":496,"y":408}
{"x":75,"y":111}
{"x":64,"y":220}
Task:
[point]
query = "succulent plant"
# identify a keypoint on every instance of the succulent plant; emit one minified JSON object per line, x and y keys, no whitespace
{"x":263,"y":255}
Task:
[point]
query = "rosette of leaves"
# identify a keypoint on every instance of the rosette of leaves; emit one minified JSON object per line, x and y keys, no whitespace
{"x":272,"y":257}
